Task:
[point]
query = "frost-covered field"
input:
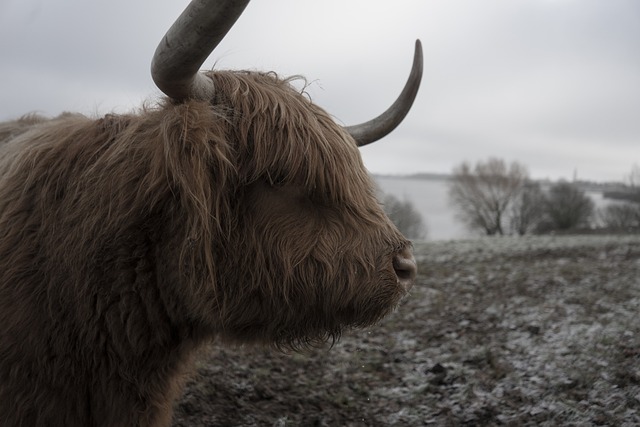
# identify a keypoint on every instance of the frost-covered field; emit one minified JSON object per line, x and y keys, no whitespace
{"x":502,"y":331}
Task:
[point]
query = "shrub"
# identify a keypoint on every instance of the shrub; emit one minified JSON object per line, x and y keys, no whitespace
{"x":567,"y":208}
{"x":405,"y":216}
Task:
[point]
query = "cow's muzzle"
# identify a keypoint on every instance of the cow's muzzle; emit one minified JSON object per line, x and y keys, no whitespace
{"x":404,"y":264}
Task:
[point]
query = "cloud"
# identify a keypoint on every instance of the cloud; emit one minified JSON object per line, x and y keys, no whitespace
{"x":533,"y":81}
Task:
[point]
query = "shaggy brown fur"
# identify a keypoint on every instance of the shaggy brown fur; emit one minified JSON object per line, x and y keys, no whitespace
{"x":129,"y":241}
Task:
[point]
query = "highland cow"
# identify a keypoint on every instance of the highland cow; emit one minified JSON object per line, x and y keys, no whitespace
{"x":236,"y":210}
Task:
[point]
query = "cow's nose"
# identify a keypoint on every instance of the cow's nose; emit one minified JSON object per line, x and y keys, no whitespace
{"x":405,"y":267}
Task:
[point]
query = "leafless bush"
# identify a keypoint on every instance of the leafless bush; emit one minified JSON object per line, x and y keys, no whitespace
{"x":527,"y":210}
{"x":567,"y":207}
{"x":633,"y":178}
{"x":621,"y":216}
{"x":405,"y":216}
{"x":482,"y":195}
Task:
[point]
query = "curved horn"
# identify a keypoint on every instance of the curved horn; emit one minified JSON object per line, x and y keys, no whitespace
{"x":188,"y":43}
{"x":373,"y":130}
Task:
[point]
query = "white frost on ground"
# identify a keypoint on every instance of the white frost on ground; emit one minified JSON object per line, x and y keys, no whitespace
{"x":552,"y":323}
{"x":534,"y":331}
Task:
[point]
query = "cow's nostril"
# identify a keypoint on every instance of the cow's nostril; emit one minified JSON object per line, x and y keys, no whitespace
{"x":405,"y":267}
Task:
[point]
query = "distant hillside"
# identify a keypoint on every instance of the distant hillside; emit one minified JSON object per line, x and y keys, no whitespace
{"x":625,"y":195}
{"x":422,"y":175}
{"x":609,"y":189}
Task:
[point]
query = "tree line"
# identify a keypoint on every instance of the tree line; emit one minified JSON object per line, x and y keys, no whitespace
{"x":499,"y":198}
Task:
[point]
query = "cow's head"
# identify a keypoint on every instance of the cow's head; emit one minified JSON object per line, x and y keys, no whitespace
{"x":306,"y":247}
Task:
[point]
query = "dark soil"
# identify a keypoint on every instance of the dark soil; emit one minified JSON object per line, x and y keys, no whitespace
{"x":514,"y":332}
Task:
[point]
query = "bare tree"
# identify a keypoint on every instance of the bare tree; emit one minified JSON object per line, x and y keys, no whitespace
{"x":527,"y":210}
{"x":633,"y":179}
{"x":624,"y":214}
{"x":621,"y":216}
{"x":568,"y":207}
{"x":405,"y":216}
{"x":630,"y":191}
{"x":482,"y":194}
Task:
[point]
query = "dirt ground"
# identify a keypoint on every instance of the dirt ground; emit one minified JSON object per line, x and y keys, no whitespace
{"x":503,"y":331}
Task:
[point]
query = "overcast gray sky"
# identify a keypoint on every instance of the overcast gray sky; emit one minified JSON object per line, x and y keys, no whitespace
{"x":553,"y":84}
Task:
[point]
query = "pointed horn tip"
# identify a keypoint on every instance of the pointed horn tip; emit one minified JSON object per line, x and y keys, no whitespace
{"x":417,"y":56}
{"x":377,"y":128}
{"x":418,"y":52}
